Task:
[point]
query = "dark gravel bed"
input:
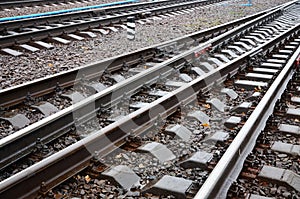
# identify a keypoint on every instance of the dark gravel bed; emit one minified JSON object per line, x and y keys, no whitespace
{"x":31,"y":66}
{"x":144,"y":165}
{"x":42,"y":150}
{"x":244,"y":187}
{"x":148,"y":168}
{"x":57,"y":99}
{"x":89,"y":183}
{"x":32,"y":114}
{"x":249,"y":182}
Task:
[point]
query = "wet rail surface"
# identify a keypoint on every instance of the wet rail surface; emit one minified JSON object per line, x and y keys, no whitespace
{"x":174,"y":109}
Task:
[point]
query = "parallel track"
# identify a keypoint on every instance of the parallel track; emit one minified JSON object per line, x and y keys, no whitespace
{"x":75,"y":158}
{"x":67,"y":23}
{"x":16,"y":95}
{"x":275,"y":145}
{"x":63,"y":120}
{"x":61,"y":12}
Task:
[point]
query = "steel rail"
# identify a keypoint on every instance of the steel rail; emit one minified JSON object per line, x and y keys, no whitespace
{"x":71,"y":160}
{"x":10,"y":40}
{"x":58,"y":12}
{"x":10,"y":25}
{"x":20,"y":143}
{"x":85,"y":154}
{"x":52,"y":126}
{"x":17,"y":94}
{"x":251,"y":25}
{"x":60,"y":16}
{"x":231,"y":163}
{"x":25,"y":37}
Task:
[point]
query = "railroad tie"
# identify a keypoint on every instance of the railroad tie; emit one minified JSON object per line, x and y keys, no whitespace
{"x":130,"y":28}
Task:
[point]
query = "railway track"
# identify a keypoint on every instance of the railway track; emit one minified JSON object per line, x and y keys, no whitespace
{"x":32,"y":104}
{"x":271,"y":168}
{"x":64,"y":11}
{"x":28,"y":34}
{"x":21,"y":4}
{"x":143,"y":116}
{"x":26,"y":100}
